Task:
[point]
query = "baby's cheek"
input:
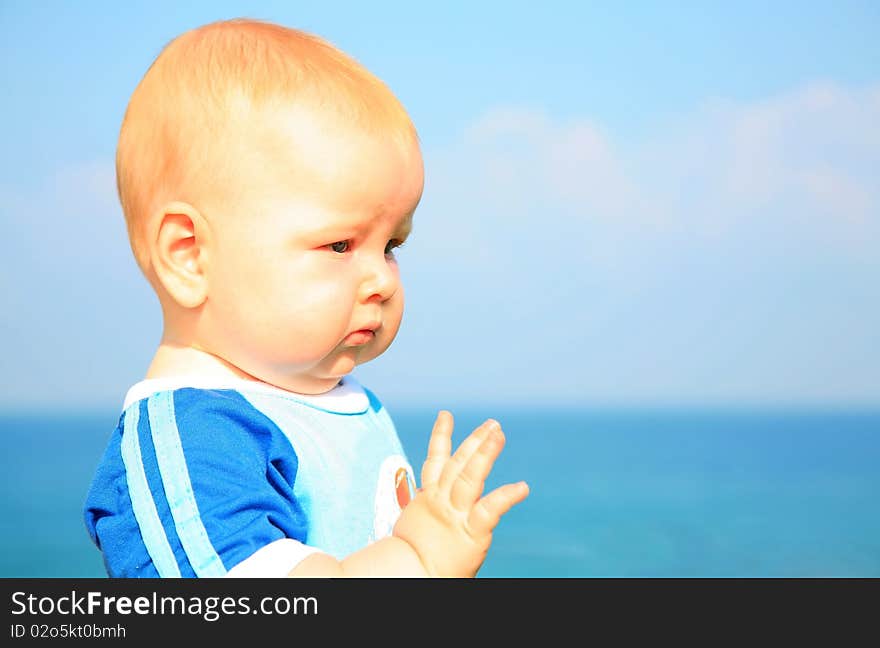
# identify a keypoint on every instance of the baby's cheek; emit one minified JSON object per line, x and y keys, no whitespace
{"x":394,"y":314}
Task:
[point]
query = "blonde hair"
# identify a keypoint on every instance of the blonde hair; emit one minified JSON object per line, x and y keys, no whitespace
{"x":179,"y":139}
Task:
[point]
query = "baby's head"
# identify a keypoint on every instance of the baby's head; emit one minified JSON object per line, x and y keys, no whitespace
{"x":266,"y":179}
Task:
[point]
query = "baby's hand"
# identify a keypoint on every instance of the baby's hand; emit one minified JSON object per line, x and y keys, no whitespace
{"x":448,"y":523}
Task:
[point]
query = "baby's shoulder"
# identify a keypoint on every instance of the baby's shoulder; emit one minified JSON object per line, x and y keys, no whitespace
{"x":197,"y":418}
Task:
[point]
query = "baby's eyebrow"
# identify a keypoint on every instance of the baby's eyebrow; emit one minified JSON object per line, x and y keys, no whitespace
{"x":338,"y":225}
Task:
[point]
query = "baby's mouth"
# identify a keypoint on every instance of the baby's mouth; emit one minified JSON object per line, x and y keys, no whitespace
{"x":359,"y":337}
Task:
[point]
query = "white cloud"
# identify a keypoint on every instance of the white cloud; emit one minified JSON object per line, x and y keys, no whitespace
{"x":806,"y":159}
{"x":817,"y":141}
{"x":512,"y":159}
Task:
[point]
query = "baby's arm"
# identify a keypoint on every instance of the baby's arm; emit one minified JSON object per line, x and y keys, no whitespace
{"x":446,"y":530}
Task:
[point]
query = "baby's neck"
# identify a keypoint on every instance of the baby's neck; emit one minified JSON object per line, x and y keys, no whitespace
{"x":175,"y":360}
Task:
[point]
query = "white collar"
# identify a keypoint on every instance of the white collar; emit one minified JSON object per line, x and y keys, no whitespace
{"x":348,"y":397}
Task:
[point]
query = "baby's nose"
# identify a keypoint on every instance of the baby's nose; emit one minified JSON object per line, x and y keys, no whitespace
{"x":381,"y":281}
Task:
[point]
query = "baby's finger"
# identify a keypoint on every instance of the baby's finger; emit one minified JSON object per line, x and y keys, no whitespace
{"x":462,"y":455}
{"x":439,"y":448}
{"x":487,"y":512}
{"x":470,"y":483}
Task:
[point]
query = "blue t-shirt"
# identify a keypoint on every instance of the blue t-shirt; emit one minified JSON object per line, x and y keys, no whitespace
{"x":243,"y":479}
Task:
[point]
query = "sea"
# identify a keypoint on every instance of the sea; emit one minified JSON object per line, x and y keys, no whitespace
{"x":615,"y":493}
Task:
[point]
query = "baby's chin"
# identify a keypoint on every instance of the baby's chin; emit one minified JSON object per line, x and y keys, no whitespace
{"x":321,"y":375}
{"x":371,"y":352}
{"x":319,"y":379}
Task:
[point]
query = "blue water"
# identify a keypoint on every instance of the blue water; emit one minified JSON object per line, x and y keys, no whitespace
{"x":614,"y":493}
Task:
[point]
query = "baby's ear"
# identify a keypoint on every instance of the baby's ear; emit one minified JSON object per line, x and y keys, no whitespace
{"x":178,"y":254}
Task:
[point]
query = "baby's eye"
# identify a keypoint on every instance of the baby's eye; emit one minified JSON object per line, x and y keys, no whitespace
{"x":393,"y":243}
{"x":339,"y":247}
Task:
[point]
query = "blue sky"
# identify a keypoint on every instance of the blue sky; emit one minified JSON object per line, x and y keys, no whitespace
{"x":662,"y":204}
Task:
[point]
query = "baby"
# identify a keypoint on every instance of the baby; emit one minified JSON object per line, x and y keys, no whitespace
{"x":266,"y":180}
